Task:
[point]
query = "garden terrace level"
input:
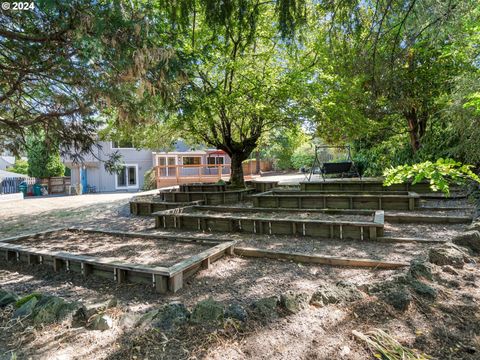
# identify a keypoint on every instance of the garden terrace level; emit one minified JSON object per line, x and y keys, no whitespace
{"x":332,"y":224}
{"x":179,"y":263}
{"x":401,"y":200}
{"x":366,"y":184}
{"x":208,"y":197}
{"x":145,"y":206}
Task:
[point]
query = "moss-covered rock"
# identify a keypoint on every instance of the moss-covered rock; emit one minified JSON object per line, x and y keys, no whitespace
{"x":207,"y":311}
{"x":294,"y":302}
{"x":266,"y":308}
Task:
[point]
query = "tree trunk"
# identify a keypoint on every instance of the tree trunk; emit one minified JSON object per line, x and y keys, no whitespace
{"x":413,"y":129}
{"x":236,"y":177}
{"x":257,"y":162}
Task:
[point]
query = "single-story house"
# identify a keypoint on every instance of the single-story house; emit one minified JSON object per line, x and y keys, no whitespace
{"x":181,"y":161}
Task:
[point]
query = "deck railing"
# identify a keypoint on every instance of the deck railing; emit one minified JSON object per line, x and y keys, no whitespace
{"x":181,"y":174}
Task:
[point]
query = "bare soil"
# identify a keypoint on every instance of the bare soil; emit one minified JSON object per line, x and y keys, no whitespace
{"x":286,"y":215}
{"x":143,"y":251}
{"x":402,"y":252}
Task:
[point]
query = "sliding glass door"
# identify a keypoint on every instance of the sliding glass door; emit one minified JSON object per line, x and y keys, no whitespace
{"x":127,"y":177}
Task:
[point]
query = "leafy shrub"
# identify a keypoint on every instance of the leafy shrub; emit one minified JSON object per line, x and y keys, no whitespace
{"x":149,"y":180}
{"x":20,"y":167}
{"x":303,"y":156}
{"x":441,"y":174}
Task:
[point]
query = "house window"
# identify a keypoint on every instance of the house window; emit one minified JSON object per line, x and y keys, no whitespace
{"x":192,"y":160}
{"x":127,"y":177}
{"x":122,"y":144}
{"x":215,"y":160}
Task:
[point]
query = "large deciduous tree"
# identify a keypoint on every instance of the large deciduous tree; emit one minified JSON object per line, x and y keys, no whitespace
{"x":244,"y":80}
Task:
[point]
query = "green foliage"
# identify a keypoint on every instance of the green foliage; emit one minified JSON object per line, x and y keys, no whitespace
{"x":20,"y":167}
{"x":280,"y":144}
{"x":43,"y":161}
{"x":303,"y":156}
{"x":441,"y":174}
{"x":27,"y":298}
{"x":149,"y":180}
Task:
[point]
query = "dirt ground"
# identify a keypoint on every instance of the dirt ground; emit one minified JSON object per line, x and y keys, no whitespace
{"x":447,"y":330}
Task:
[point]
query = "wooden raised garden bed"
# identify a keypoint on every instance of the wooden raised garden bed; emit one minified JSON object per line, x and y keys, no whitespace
{"x":262,"y":186}
{"x":196,"y":187}
{"x":46,"y":248}
{"x":208,"y":197}
{"x":318,"y":223}
{"x":147,"y":206}
{"x":362,"y":185}
{"x":337,"y":200}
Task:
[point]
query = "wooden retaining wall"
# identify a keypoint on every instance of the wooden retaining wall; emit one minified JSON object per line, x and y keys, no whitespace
{"x":191,"y":218}
{"x":362,"y":185}
{"x":162,"y":279}
{"x":326,"y":200}
{"x":209,"y":198}
{"x":147,"y":207}
{"x":201,"y":187}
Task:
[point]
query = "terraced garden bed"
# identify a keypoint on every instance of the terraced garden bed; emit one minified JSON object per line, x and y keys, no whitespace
{"x":361,"y":225}
{"x":163,"y":261}
{"x":208,"y":197}
{"x":400,"y":200}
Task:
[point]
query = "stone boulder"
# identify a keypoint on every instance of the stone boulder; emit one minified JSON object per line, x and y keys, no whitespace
{"x":341,"y":292}
{"x":447,"y":254}
{"x":424,"y":290}
{"x":100,"y":322}
{"x":237,"y":312}
{"x":420,"y":270}
{"x":399,"y":297}
{"x":207,"y":312}
{"x":474,"y":226}
{"x":266,"y":308}
{"x":26,"y":307}
{"x":469,"y":239}
{"x":169,"y":316}
{"x":52,"y":309}
{"x":294,"y":302}
{"x":7,"y":299}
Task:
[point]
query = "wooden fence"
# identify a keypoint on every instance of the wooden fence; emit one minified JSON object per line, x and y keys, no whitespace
{"x":55,"y":185}
{"x":250,"y":166}
{"x":10,"y":185}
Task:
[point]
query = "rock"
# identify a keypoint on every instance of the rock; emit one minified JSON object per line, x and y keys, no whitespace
{"x":341,"y":292}
{"x":399,"y":297}
{"x":170,"y":315}
{"x":294,"y":302}
{"x":8,"y":299}
{"x":235,"y":311}
{"x":449,"y":269}
{"x":420,"y":269}
{"x":207,"y":311}
{"x":469,"y":239}
{"x":424,"y":290}
{"x":101,"y":322}
{"x":51,"y":309}
{"x":266,"y":308}
{"x":447,"y":254}
{"x":26,"y":309}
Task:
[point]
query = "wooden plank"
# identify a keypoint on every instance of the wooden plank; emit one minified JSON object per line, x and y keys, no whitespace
{"x":427,"y":219}
{"x":200,"y":257}
{"x":175,"y":282}
{"x":318,"y":259}
{"x":161,"y":284}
